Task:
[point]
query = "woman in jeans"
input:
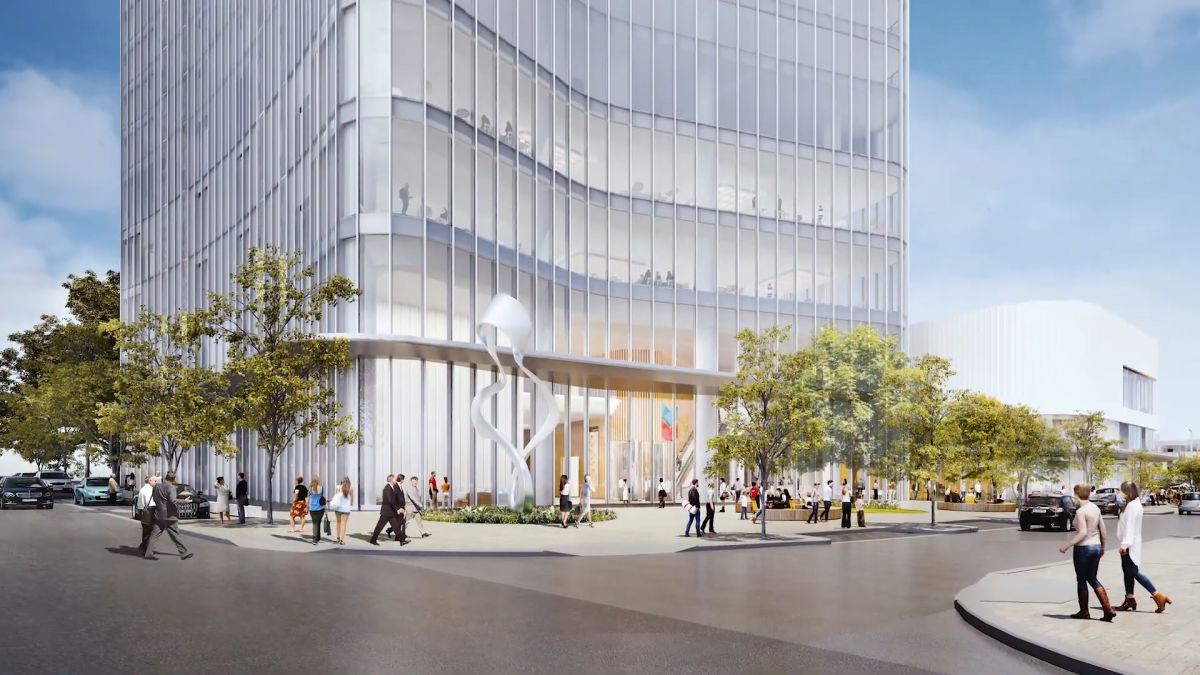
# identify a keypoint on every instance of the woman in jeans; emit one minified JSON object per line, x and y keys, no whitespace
{"x":1089,"y":540}
{"x":1129,"y":532}
{"x":341,"y":505}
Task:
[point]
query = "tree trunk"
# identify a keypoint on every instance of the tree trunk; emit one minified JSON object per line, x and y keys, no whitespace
{"x":271,"y":488}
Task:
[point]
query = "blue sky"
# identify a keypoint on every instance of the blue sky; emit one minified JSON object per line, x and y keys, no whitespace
{"x":1054,"y":145}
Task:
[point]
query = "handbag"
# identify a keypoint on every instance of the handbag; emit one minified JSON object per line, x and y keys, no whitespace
{"x":322,"y":501}
{"x":327,"y":529}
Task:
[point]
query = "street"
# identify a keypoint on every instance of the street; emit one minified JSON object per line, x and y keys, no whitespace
{"x":80,"y":601}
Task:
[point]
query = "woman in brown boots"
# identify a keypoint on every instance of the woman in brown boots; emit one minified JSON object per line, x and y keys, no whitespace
{"x":1129,"y":531}
{"x":1089,"y":540}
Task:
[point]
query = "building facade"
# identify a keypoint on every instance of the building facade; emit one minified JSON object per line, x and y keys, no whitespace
{"x":647,"y":178}
{"x":1060,"y":358}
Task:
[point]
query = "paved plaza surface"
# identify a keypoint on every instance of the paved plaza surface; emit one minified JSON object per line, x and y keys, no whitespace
{"x":1033,"y":605}
{"x":86,"y":604}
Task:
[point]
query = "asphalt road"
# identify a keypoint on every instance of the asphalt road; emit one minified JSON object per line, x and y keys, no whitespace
{"x":77,"y":600}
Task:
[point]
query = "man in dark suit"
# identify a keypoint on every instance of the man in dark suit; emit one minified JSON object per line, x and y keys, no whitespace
{"x":242,"y":495}
{"x":166,"y":518}
{"x":693,"y":498}
{"x":391,"y":512}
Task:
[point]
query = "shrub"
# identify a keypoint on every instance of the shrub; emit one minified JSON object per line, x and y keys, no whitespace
{"x":496,"y":515}
{"x":881,"y":505}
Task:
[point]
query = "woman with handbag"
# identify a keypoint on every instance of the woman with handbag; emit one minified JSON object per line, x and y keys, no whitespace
{"x":564,"y":500}
{"x":342,"y":504}
{"x":316,"y":507}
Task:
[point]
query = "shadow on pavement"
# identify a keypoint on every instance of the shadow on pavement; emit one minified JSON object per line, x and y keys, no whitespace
{"x":132,"y":551}
{"x":1057,"y":616}
{"x":293,"y":537}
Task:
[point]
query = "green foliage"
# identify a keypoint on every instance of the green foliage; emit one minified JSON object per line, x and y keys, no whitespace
{"x":1036,"y":450}
{"x":1187,"y":470}
{"x":281,"y":372}
{"x":495,"y":515}
{"x":167,"y":401}
{"x":918,"y":416}
{"x":769,"y":414}
{"x":853,"y":377}
{"x":1142,"y":468}
{"x":1094,"y":454}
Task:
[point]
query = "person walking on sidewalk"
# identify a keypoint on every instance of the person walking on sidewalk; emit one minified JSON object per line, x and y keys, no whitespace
{"x":299,"y":510}
{"x":316,"y":507}
{"x":391,"y":512}
{"x":693,"y":510}
{"x":341,"y":505}
{"x":1129,"y":533}
{"x":564,"y":500}
{"x":815,"y":498}
{"x":585,"y":502}
{"x":166,"y":518}
{"x":847,"y":503}
{"x":113,"y":488}
{"x":1088,"y":542}
{"x":861,"y":511}
{"x":724,"y":494}
{"x":241,"y":495}
{"x":143,"y":505}
{"x":710,"y":510}
{"x":827,"y":498}
{"x":744,"y":505}
{"x":624,"y":488}
{"x":413,"y":509}
{"x":755,"y":495}
{"x":662,"y":494}
{"x":221,"y":507}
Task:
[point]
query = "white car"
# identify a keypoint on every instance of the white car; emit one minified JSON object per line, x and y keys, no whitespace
{"x":1189,"y":503}
{"x":60,"y":482}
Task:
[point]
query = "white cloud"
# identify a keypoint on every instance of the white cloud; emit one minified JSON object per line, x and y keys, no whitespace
{"x":1096,"y":30}
{"x":36,"y":256}
{"x":59,"y":147}
{"x":1100,"y":208}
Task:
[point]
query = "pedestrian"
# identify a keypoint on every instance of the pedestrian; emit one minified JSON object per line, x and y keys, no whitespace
{"x":564,"y":500}
{"x":402,"y":501}
{"x":875,"y":491}
{"x":585,"y":502}
{"x":221,"y":505}
{"x":1129,"y":533}
{"x":413,"y":509}
{"x":624,"y":489}
{"x":390,"y":512}
{"x":446,"y":491}
{"x":860,"y":509}
{"x":143,"y":505}
{"x":978,"y":491}
{"x":130,"y":483}
{"x":316,"y":507}
{"x":744,"y":505}
{"x":710,"y":510}
{"x":433,"y":489}
{"x":755,"y":495}
{"x":724,"y":494}
{"x":815,"y":498}
{"x":166,"y":518}
{"x":1088,"y":542}
{"x":662,"y":494}
{"x":847,"y":503}
{"x":341,"y":505}
{"x":113,"y":489}
{"x":760,"y":505}
{"x":826,"y":498}
{"x":242,"y":496}
{"x":299,"y":508}
{"x":737,"y":490}
{"x":693,"y":510}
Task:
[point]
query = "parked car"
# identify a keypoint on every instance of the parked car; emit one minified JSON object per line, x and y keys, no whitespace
{"x":1189,"y":503}
{"x":95,"y":491}
{"x":1108,"y":502}
{"x":25,"y":491}
{"x":60,"y":482}
{"x":190,"y":502}
{"x":1049,"y":511}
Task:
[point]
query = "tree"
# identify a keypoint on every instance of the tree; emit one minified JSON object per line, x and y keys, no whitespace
{"x":769,"y":415}
{"x":33,"y":431}
{"x":918,"y":414}
{"x":168,"y":401}
{"x":977,"y":425}
{"x":1036,"y":450}
{"x":1142,"y":468}
{"x":852,"y":373}
{"x":280,"y":370}
{"x":1187,"y":470}
{"x":1094,"y":454}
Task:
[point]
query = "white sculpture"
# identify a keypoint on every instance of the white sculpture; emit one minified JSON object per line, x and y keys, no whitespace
{"x":505,"y":314}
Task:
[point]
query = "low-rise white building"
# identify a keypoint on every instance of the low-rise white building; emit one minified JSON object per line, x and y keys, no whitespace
{"x":1060,"y":357}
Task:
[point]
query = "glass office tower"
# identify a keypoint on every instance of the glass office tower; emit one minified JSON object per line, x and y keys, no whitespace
{"x":646,"y":177}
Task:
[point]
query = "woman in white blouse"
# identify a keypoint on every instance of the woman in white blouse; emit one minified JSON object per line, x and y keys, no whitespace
{"x":342,"y":503}
{"x":1129,"y":531}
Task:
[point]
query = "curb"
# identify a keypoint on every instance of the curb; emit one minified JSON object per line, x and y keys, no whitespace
{"x":813,"y":541}
{"x":1064,"y":660}
{"x":449,"y":554}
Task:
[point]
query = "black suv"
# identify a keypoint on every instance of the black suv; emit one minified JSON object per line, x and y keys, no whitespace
{"x":1048,"y":511}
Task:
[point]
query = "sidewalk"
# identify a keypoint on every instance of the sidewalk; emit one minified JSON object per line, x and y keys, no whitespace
{"x":636,"y":531}
{"x":1028,"y":609}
